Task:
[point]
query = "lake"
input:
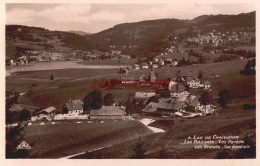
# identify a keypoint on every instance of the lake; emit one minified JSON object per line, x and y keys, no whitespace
{"x":54,"y":65}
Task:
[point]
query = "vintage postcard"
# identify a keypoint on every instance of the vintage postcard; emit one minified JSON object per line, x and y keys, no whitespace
{"x":130,"y":80}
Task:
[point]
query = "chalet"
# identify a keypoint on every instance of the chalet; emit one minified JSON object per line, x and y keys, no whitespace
{"x":193,"y":82}
{"x":171,"y":83}
{"x":47,"y":113}
{"x":143,"y":96}
{"x":145,"y":65}
{"x":73,"y":107}
{"x":127,"y":79}
{"x":136,"y":66}
{"x":174,"y":63}
{"x":156,"y":59}
{"x":177,"y":90}
{"x":207,"y":84}
{"x":155,"y":66}
{"x":170,"y":106}
{"x":107,"y":112}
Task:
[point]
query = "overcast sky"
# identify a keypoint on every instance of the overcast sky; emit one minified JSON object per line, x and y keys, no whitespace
{"x":97,"y":17}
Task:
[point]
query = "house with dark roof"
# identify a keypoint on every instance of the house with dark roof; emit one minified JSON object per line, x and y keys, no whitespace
{"x":73,"y":107}
{"x":143,"y":96}
{"x":47,"y":113}
{"x":207,"y":84}
{"x":177,"y":90}
{"x":150,"y":108}
{"x":170,"y":106}
{"x":107,"y":112}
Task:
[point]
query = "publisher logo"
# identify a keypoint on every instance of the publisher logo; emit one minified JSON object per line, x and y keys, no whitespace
{"x":24,"y":145}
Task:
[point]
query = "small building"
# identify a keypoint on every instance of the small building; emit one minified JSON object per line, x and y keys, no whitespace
{"x":145,"y":65}
{"x":107,"y":112}
{"x":47,"y":113}
{"x":136,"y":66}
{"x":207,"y":84}
{"x":73,"y":107}
{"x":174,"y":63}
{"x":193,"y":82}
{"x":143,"y":96}
{"x":155,"y":66}
{"x":170,"y":106}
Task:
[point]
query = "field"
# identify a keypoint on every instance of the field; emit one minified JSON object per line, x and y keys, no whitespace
{"x":76,"y":83}
{"x":230,"y":121}
{"x":68,"y":138}
{"x":112,"y":62}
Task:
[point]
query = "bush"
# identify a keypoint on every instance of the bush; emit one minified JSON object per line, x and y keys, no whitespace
{"x":109,"y":99}
{"x":249,"y":106}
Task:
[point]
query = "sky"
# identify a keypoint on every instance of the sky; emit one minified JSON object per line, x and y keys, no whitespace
{"x":93,"y":18}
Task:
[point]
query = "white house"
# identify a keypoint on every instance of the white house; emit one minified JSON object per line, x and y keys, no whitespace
{"x":193,"y":83}
{"x":145,"y":65}
{"x":207,"y":84}
{"x":73,"y":107}
{"x":155,"y":66}
{"x":161,"y":62}
{"x":177,"y":90}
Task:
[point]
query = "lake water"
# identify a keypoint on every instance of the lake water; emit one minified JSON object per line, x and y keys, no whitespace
{"x":54,"y":65}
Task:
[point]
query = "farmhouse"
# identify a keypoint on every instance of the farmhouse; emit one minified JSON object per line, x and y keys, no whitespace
{"x":73,"y":107}
{"x":193,"y":82}
{"x":143,"y":96}
{"x":108,"y":112}
{"x":47,"y":113}
{"x":170,"y":106}
{"x":207,"y":84}
{"x":161,"y":62}
{"x":145,"y":65}
{"x":155,"y":66}
{"x":136,"y":66}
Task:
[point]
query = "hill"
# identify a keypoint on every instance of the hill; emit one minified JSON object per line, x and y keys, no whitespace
{"x":82,"y":33}
{"x":137,"y":38}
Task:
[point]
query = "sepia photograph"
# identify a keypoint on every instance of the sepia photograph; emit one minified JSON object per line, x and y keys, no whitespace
{"x":130,"y":80}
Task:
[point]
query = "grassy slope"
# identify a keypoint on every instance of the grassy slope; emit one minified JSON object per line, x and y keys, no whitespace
{"x":46,"y":94}
{"x":63,"y":139}
{"x":231,"y":121}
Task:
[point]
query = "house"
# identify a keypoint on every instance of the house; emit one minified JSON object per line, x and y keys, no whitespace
{"x":145,"y":65}
{"x":171,"y":83}
{"x":127,"y":79}
{"x":107,"y":112}
{"x":170,"y":106}
{"x":207,"y":84}
{"x":161,"y":62}
{"x":143,"y":96}
{"x":150,"y":108}
{"x":136,"y":66}
{"x":177,"y":90}
{"x":73,"y":107}
{"x":47,"y":113}
{"x":155,"y":66}
{"x":174,"y":63}
{"x":193,"y":82}
{"x":156,"y":59}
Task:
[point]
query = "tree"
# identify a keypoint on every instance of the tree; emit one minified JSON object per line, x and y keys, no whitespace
{"x":205,"y":99}
{"x":224,"y":97}
{"x":25,"y":115}
{"x":162,"y":154}
{"x":129,"y":107}
{"x":51,"y":77}
{"x":200,"y":76}
{"x":93,"y":100}
{"x":109,"y":99}
{"x":139,"y":150}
